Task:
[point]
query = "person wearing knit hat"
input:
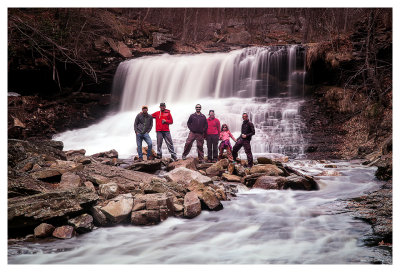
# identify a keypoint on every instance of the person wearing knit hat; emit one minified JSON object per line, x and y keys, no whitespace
{"x":143,"y":125}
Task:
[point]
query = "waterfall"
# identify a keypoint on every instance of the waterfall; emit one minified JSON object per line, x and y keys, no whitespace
{"x":265,"y":82}
{"x":275,"y":71}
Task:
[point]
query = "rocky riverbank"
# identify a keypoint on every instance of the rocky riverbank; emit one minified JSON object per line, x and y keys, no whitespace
{"x":59,"y":193}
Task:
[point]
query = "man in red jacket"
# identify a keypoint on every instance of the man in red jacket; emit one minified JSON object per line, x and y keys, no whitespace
{"x":212,"y":137}
{"x":163,"y":120}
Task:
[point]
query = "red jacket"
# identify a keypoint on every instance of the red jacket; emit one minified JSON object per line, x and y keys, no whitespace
{"x":214,"y":126}
{"x":165,"y":115}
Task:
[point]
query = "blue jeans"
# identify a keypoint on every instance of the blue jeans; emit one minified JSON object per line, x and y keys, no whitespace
{"x":147,"y":139}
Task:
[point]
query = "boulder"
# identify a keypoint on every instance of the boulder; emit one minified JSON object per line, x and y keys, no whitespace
{"x":119,"y":208}
{"x":99,"y":217}
{"x":69,"y":180}
{"x":118,"y":47}
{"x":97,"y":179}
{"x":128,"y":180}
{"x":240,"y":170}
{"x":32,"y":210}
{"x":184,"y":176}
{"x":249,"y":180}
{"x":89,"y":185}
{"x":160,"y":201}
{"x":178,"y":207}
{"x":82,"y":223}
{"x":267,"y":169}
{"x":217,"y":168}
{"x":64,"y":166}
{"x":146,"y":166}
{"x":43,"y":230}
{"x":23,"y":184}
{"x":269,"y":183}
{"x":145,"y":217}
{"x":189,"y":163}
{"x":48,"y":175}
{"x":108,"y":190}
{"x":64,"y":232}
{"x":300,"y":183}
{"x":160,"y":185}
{"x":191,"y":205}
{"x":231,"y":178}
{"x":107,"y":154}
{"x":207,"y":195}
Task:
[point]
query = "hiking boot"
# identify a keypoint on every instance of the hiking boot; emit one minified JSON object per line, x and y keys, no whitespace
{"x":174,"y":158}
{"x":183,"y":157}
{"x":209,"y":161}
{"x":140,"y":160}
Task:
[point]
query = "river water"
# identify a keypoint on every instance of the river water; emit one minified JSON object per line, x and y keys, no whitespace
{"x":256,"y":227}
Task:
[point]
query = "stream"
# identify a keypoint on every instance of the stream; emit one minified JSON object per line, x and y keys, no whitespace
{"x":256,"y":227}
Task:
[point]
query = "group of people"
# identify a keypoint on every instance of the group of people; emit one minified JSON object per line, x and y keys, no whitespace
{"x":201,"y":128}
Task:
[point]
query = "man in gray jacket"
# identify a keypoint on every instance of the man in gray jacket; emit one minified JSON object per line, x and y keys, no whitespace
{"x":143,"y":125}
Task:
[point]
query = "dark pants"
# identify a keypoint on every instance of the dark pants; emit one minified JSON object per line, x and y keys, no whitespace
{"x":147,"y":139}
{"x":247,"y":149}
{"x":212,"y":146}
{"x":228,"y":152}
{"x":189,"y":142}
{"x":166,"y":135}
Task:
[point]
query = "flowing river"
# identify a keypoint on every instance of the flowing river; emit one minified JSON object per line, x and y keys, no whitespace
{"x":258,"y":226}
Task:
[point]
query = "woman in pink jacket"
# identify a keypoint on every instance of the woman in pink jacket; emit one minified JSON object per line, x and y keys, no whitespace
{"x":225,"y":144}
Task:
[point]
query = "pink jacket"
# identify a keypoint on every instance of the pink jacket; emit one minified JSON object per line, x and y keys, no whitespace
{"x":224,"y":135}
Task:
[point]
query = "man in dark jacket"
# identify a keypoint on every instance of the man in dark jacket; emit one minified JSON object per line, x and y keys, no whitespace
{"x":197,"y":125}
{"x":247,"y":132}
{"x":163,"y":120}
{"x":143,"y":125}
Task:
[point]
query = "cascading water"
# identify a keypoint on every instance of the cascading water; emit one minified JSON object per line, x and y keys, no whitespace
{"x":262,"y":81}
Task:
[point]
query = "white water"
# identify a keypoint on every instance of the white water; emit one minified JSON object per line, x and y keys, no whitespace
{"x":258,"y":227}
{"x":253,"y":80}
